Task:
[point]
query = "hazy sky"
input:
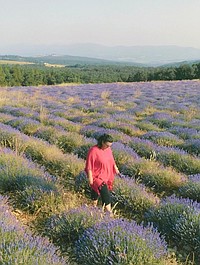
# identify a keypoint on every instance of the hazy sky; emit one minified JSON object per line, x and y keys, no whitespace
{"x":108,"y":22}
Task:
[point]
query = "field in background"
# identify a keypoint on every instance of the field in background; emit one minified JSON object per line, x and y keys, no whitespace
{"x":29,"y":63}
{"x":156,"y":128}
{"x":14,"y":62}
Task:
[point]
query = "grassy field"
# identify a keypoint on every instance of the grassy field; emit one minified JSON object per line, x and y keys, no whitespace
{"x":14,"y":62}
{"x":28,"y":63}
{"x":45,"y":134}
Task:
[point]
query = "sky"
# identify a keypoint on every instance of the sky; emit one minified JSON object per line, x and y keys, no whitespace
{"x":107,"y":22}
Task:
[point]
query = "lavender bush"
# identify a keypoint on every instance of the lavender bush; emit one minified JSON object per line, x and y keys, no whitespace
{"x":17,"y":172}
{"x":68,"y":142}
{"x":125,"y":127}
{"x":47,"y":133}
{"x":82,"y":150}
{"x":81,"y":183}
{"x":65,"y":228}
{"x":183,"y":162}
{"x":178,"y":219}
{"x":33,"y":199}
{"x":132,"y":198}
{"x":142,"y":147}
{"x":95,"y":131}
{"x":162,"y":138}
{"x":19,"y":246}
{"x":191,"y":189}
{"x":65,"y":124}
{"x":192,"y":146}
{"x":123,"y":154}
{"x":120,"y":242}
{"x":147,"y":126}
{"x":5,"y":117}
{"x":26,"y":125}
{"x":12,"y":138}
{"x":17,"y":111}
{"x":28,"y":185}
{"x":168,"y":156}
{"x":151,"y":173}
{"x":162,"y":119}
{"x":184,"y":132}
{"x":65,"y":166}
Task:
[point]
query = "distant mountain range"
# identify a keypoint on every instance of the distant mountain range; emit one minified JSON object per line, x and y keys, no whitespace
{"x":100,"y":54}
{"x":148,"y":55}
{"x":61,"y":60}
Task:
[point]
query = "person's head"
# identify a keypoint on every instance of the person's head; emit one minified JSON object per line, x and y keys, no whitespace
{"x":104,"y":141}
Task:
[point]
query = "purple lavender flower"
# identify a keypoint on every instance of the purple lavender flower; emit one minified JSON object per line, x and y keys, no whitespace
{"x":132,"y":197}
{"x":65,"y":228}
{"x":192,"y":146}
{"x":20,"y":245}
{"x":185,"y":202}
{"x":178,"y":219}
{"x":184,"y":133}
{"x":162,"y":138}
{"x":120,"y":242}
{"x":191,"y":189}
{"x":195,"y":178}
{"x":124,"y":149}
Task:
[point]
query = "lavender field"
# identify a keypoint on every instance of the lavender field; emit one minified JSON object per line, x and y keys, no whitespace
{"x":45,"y":133}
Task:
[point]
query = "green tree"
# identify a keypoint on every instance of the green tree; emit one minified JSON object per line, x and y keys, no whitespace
{"x":140,"y":75}
{"x":8,"y":75}
{"x":17,"y":76}
{"x":184,"y":71}
{"x":196,"y":69}
{"x":28,"y":77}
{"x":2,"y":77}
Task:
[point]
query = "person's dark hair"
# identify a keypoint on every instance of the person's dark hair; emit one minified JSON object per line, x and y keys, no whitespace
{"x":103,"y":139}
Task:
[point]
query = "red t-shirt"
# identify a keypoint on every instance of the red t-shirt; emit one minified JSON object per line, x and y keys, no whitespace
{"x":101,"y":163}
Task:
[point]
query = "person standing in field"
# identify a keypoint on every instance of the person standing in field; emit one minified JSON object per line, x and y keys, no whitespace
{"x":100,"y":169}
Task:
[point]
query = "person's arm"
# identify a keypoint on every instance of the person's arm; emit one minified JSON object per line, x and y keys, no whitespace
{"x":116,"y":169}
{"x":90,"y":165}
{"x":90,"y":177}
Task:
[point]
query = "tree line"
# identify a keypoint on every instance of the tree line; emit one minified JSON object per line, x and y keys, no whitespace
{"x":19,"y":75}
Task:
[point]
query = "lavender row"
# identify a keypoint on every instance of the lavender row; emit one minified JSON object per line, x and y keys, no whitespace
{"x":139,"y":199}
{"x":178,"y":219}
{"x":29,"y":186}
{"x":65,"y":166}
{"x":84,"y":231}
{"x":131,"y":198}
{"x":19,"y":246}
{"x":122,"y":153}
{"x":65,"y":94}
{"x":168,"y":156}
{"x":163,"y":138}
{"x":164,"y":154}
{"x":191,"y":146}
{"x":176,"y":95}
{"x":191,"y":188}
{"x":160,"y":180}
{"x":168,"y":120}
{"x":31,"y":127}
{"x":67,"y":141}
{"x":120,"y":242}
